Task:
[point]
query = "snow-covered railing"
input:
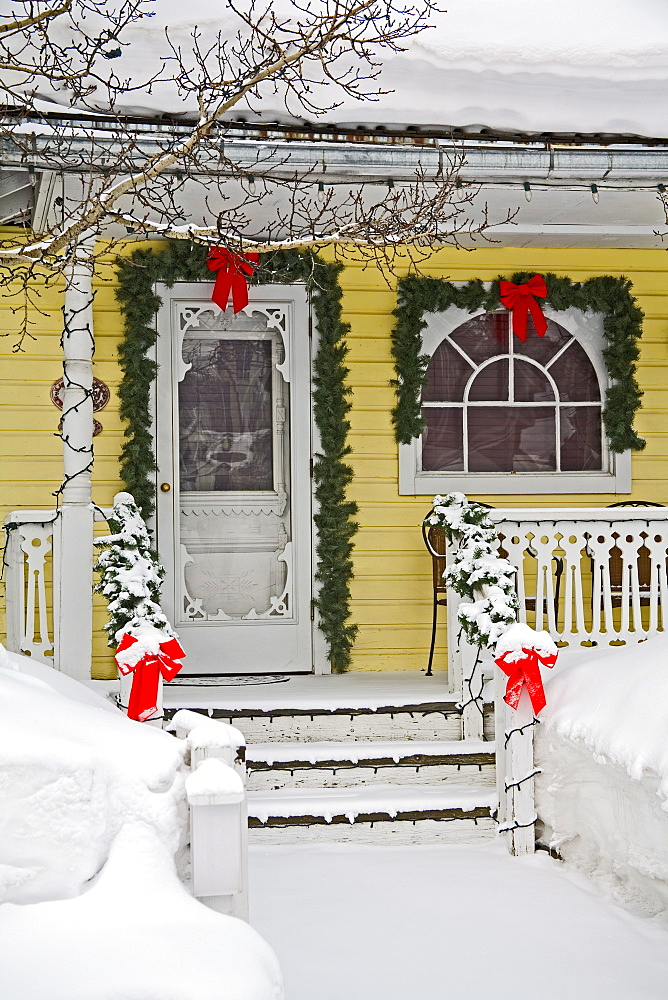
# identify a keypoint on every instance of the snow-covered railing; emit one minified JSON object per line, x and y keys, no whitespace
{"x":216,"y":793}
{"x":589,"y":577}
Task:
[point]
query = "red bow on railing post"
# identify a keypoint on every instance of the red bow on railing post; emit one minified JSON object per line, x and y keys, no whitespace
{"x":520,"y":299}
{"x":146,"y":670}
{"x":233,"y":271}
{"x":521,"y":666}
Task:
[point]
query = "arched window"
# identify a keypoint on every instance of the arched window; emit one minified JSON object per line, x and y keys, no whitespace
{"x":495,"y":404}
{"x":495,"y":407}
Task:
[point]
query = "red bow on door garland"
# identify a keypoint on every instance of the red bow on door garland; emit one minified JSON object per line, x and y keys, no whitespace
{"x":520,"y":299}
{"x":143,"y":702}
{"x":525,"y":670}
{"x":233,"y":269}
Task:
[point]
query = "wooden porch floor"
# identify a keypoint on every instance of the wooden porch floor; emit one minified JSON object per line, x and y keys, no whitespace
{"x":328,"y":692}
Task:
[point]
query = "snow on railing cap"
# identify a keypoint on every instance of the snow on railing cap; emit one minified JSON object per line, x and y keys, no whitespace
{"x":214,"y":782}
{"x":519,"y":637}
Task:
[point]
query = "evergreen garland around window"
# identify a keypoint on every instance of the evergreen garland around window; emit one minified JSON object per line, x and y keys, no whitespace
{"x":622,"y":326}
{"x":184,"y":261}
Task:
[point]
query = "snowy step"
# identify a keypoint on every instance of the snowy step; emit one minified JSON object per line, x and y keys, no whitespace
{"x":335,"y":707}
{"x":379,"y":814}
{"x":427,"y":721}
{"x":342,"y":764}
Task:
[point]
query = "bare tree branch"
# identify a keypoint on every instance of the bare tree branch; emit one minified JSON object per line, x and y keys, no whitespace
{"x":192,"y":180}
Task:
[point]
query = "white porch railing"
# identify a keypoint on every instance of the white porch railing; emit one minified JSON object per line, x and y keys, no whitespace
{"x":590,"y":577}
{"x":216,"y":793}
{"x":28,"y":583}
{"x":32,"y":596}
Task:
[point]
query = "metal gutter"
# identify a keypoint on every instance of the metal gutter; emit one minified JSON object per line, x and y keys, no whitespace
{"x":557,"y":166}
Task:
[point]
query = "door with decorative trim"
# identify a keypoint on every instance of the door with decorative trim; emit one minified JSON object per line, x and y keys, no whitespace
{"x":233,"y":445}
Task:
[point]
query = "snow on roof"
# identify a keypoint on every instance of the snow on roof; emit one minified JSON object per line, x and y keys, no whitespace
{"x":595,"y":67}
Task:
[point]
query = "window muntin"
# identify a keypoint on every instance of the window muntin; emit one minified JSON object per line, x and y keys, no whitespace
{"x":495,"y":404}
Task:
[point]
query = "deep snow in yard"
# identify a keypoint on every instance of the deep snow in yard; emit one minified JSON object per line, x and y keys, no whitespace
{"x":424,"y":923}
{"x":92,"y":814}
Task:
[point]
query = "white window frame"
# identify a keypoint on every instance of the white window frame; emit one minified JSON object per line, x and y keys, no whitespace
{"x":587,"y":330}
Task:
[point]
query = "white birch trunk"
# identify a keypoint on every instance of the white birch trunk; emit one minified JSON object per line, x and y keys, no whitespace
{"x":73,"y":538}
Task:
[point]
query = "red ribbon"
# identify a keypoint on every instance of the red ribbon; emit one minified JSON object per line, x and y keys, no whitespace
{"x":143,"y":701}
{"x":525,"y":671}
{"x":520,"y":299}
{"x":233,"y":271}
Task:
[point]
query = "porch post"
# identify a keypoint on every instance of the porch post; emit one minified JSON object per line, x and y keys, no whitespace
{"x":73,"y":549}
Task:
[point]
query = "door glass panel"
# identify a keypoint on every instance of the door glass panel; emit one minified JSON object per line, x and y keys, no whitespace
{"x":234,"y":460}
{"x":225,"y":425}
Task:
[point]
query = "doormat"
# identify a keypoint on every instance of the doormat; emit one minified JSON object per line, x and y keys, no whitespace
{"x":240,"y":681}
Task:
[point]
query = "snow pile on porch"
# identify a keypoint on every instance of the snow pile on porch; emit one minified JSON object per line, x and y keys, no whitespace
{"x":602,"y":747}
{"x":92,"y":813}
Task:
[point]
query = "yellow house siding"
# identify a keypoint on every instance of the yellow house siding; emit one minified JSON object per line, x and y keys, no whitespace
{"x":392,"y":586}
{"x":31,"y":470}
{"x":392,"y":595}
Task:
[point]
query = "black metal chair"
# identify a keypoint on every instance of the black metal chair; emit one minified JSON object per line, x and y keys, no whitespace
{"x":434,"y":539}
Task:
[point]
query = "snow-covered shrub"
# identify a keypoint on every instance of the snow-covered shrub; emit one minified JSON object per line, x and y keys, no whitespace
{"x":476,"y":572}
{"x":130,"y":576}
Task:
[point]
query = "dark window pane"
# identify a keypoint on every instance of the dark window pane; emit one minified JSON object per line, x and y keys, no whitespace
{"x":491,"y":383}
{"x":483,"y":337}
{"x":575,"y":376}
{"x":442,"y":448}
{"x":225,"y":416}
{"x":531,"y":384}
{"x":581,"y":438}
{"x":447,"y":374}
{"x":543,"y":348}
{"x":511,"y":439}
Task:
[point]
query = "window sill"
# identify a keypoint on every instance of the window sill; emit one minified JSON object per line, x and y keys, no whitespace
{"x":418,"y":483}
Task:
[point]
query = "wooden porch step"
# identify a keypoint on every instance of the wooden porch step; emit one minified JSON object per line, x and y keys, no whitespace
{"x":422,"y":721}
{"x":380,"y":814}
{"x":343,"y":764}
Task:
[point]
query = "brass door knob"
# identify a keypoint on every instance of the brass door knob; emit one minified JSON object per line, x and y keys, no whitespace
{"x":165,"y":487}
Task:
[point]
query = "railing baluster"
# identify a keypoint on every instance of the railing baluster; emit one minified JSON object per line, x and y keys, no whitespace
{"x":29,"y":546}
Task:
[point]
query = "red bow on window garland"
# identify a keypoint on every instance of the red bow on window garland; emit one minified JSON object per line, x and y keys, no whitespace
{"x":233,"y":271}
{"x":143,"y":702}
{"x":520,"y":299}
{"x":522,"y":670}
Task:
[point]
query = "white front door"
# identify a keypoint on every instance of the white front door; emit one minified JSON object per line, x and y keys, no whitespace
{"x":233,"y":438}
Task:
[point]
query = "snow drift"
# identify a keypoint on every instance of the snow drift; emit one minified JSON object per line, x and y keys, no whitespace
{"x":92,"y":812}
{"x":603,"y":792}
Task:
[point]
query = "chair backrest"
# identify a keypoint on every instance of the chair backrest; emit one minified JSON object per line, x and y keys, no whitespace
{"x":644,"y":558}
{"x":435,"y":542}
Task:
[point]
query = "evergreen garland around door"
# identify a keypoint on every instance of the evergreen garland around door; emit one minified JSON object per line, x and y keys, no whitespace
{"x":334,"y":515}
{"x":622,"y":326}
